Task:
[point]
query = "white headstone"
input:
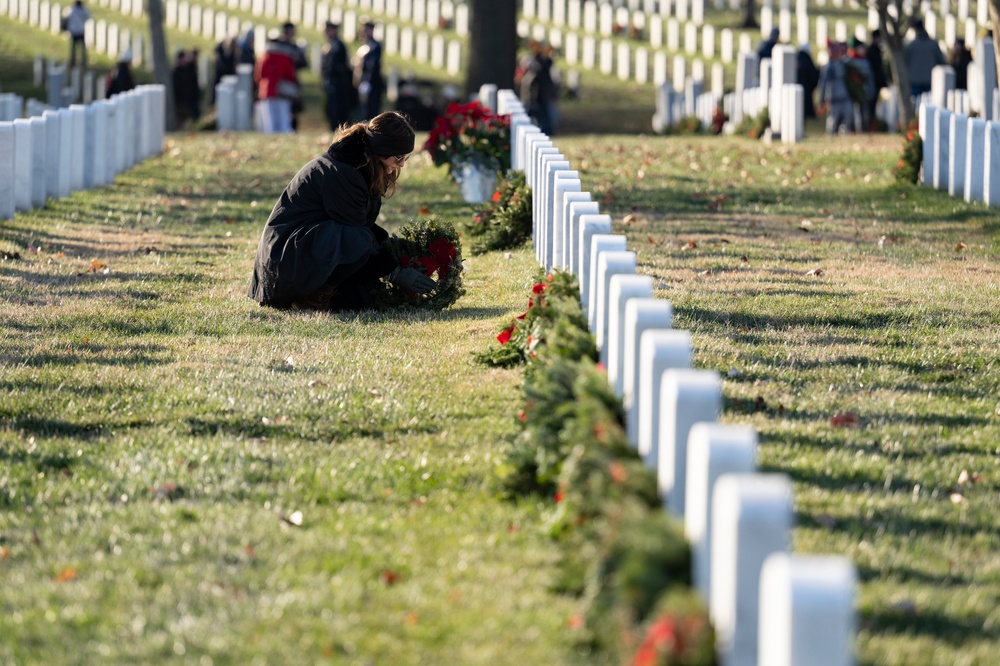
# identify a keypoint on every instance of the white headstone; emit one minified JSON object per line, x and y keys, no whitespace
{"x":7,"y":207}
{"x":551,"y":165}
{"x":599,"y":244}
{"x":23,"y":169}
{"x":624,"y":62}
{"x":608,"y":264}
{"x":574,"y":203}
{"x":926,"y":114}
{"x":623,"y":288}
{"x":956,"y":157}
{"x":95,"y":146}
{"x":659,"y":351}
{"x":975,"y":154}
{"x":591,"y":226}
{"x":942,"y":147}
{"x":686,"y":397}
{"x":641,"y":314}
{"x":576,"y":210}
{"x":39,"y":167}
{"x":991,"y":165}
{"x":565,"y":183}
{"x":751,"y":519}
{"x":713,"y":450}
{"x":807,"y":611}
{"x":77,"y":141}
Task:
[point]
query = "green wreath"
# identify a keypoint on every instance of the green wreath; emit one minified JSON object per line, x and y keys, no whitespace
{"x":432,"y":247}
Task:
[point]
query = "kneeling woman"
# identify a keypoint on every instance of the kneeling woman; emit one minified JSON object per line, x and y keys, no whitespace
{"x":321,"y":247}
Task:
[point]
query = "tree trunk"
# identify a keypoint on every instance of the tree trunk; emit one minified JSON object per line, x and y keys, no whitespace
{"x":161,"y":66}
{"x":749,"y":15}
{"x":492,"y":44}
{"x":893,"y":31}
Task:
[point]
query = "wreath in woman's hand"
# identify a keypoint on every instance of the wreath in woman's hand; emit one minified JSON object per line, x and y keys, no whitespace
{"x":432,"y":247}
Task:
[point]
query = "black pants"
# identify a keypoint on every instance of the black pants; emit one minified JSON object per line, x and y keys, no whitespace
{"x":352,"y":284}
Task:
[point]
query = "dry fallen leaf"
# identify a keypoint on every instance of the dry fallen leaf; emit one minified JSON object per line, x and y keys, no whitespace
{"x":957,"y":498}
{"x":845,"y":420}
{"x":423,"y":210}
{"x":805,"y":225}
{"x":4,"y":553}
{"x":411,"y":618}
{"x":316,"y":383}
{"x":959,"y":247}
{"x":389,"y":577}
{"x":815,"y":272}
{"x":628,"y":219}
{"x":744,"y":259}
{"x":707,"y":271}
{"x":375,"y":392}
{"x":66,"y":575}
{"x":690,"y":245}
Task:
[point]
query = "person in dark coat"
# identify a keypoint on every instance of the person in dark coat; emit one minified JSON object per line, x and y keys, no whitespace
{"x":226,"y":56}
{"x":321,"y":247}
{"x":807,"y":74}
{"x":120,"y":78}
{"x":766,"y":47}
{"x":960,"y":58}
{"x":187,"y":92}
{"x":368,"y":73}
{"x":336,"y":75}
{"x":876,"y":62}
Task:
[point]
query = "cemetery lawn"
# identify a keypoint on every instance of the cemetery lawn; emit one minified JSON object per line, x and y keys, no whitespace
{"x":186,"y":476}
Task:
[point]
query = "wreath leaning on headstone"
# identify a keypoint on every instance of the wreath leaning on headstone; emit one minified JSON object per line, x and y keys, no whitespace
{"x":430,"y":246}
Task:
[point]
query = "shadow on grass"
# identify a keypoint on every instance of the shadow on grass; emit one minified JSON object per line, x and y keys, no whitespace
{"x":915,"y":621}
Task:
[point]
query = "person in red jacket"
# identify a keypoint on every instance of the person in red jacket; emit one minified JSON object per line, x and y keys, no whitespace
{"x":277,"y":88}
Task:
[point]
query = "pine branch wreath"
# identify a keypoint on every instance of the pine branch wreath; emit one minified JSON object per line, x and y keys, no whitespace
{"x":433,"y":247}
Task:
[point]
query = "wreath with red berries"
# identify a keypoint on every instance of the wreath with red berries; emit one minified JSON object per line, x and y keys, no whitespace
{"x":432,"y":247}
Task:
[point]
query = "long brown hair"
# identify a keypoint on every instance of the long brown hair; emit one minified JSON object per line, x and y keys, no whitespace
{"x":381,"y":181}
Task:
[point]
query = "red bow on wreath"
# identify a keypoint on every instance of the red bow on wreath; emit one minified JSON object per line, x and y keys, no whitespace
{"x":442,"y":254}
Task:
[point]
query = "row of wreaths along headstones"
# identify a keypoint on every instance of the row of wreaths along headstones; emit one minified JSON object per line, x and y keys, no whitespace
{"x":677,"y":549}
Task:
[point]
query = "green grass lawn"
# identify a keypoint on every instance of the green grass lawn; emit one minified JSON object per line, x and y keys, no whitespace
{"x":161,"y":436}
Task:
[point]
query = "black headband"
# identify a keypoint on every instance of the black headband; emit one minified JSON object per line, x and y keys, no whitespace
{"x":390,"y":146}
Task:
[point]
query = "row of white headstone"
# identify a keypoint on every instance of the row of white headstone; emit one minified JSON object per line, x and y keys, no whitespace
{"x":212,"y":23}
{"x":961,"y":155}
{"x":84,"y":146}
{"x":769,"y":607}
{"x":100,"y":35}
{"x":606,"y":17}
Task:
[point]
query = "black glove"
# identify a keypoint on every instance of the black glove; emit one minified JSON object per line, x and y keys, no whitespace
{"x":412,"y":280}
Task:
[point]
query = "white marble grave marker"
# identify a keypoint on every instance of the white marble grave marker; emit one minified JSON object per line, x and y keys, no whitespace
{"x":599,"y":244}
{"x":807,"y":611}
{"x":659,"y":351}
{"x":713,"y":450}
{"x":686,"y":397}
{"x":623,"y":288}
{"x":609,"y":264}
{"x":39,"y":155}
{"x":571,"y":225}
{"x":956,"y":157}
{"x":7,"y":207}
{"x":578,"y":209}
{"x":751,"y":519}
{"x":564,"y":183}
{"x":23,"y":169}
{"x":641,"y":314}
{"x":975,"y":154}
{"x":991,"y":164}
{"x":591,"y":227}
{"x":942,"y":147}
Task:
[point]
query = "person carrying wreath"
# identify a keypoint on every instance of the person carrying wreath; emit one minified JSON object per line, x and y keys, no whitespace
{"x":321,"y":248}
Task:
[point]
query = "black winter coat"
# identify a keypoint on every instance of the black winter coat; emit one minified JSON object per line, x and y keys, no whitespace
{"x":325,"y":218}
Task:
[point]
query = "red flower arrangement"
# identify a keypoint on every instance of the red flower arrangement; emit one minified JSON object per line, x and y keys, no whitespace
{"x":470,"y":132}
